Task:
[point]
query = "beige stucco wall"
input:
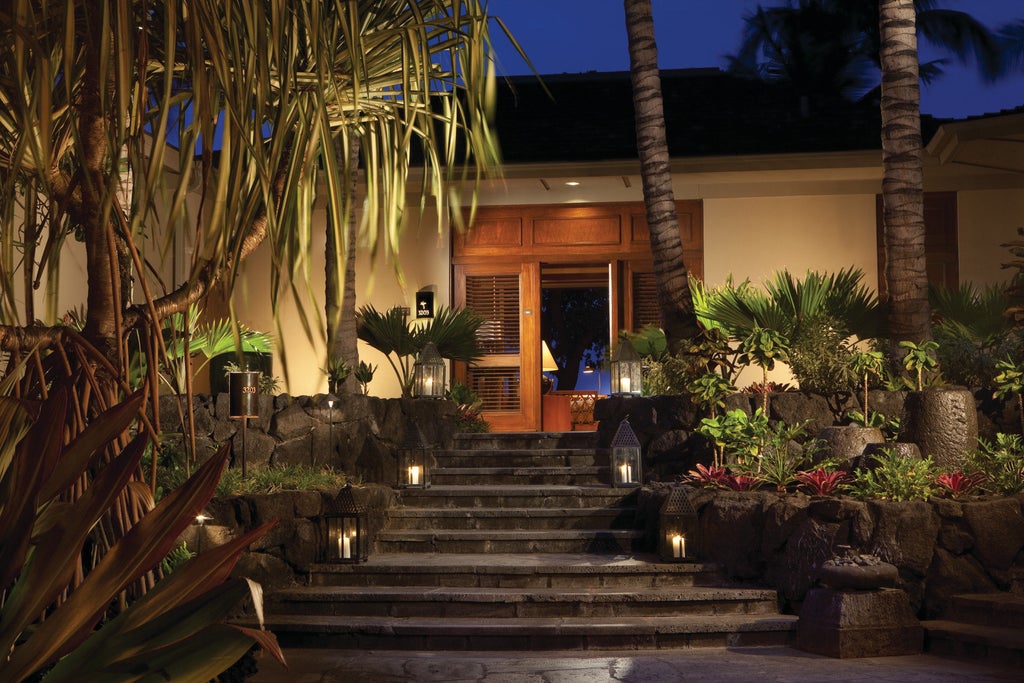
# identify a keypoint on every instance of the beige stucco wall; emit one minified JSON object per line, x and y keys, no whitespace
{"x":985,"y":220}
{"x":300,"y":357}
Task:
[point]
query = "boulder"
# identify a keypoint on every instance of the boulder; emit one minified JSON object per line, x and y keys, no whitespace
{"x":950,"y":575}
{"x":730,"y":532}
{"x":998,"y":529}
{"x":794,"y":407}
{"x":847,"y":443}
{"x":905,"y":534}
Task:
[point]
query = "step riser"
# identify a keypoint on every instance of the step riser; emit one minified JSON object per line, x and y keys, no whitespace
{"x":515,"y":546}
{"x":519,"y":459}
{"x":611,"y":520}
{"x":443,"y":478}
{"x":990,"y":653}
{"x":514,"y":581}
{"x":527,"y":610}
{"x":440,"y":641}
{"x":1005,"y":614}
{"x":429,"y":498}
{"x":524,"y":442}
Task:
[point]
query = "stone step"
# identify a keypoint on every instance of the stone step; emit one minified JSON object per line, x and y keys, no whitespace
{"x":546,"y":570}
{"x":525,"y":441}
{"x":512,"y":603}
{"x":987,"y":609}
{"x":518,"y":496}
{"x":521,"y":476}
{"x":545,"y":457}
{"x":996,"y":645}
{"x":511,"y":518}
{"x":501,"y":541}
{"x":529,"y":634}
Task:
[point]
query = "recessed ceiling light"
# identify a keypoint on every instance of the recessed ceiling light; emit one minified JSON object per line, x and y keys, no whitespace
{"x":572,"y":183}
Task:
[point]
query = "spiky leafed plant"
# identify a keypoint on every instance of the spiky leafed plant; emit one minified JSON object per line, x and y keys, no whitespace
{"x":59,"y":506}
{"x":108,"y":115}
{"x":453,"y":332}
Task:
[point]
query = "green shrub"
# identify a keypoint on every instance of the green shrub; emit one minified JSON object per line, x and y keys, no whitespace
{"x":1001,"y":462}
{"x":821,"y":358}
{"x":895,"y":478}
{"x":261,"y":480}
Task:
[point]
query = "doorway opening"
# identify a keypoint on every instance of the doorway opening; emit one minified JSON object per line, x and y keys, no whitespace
{"x":576,"y":324}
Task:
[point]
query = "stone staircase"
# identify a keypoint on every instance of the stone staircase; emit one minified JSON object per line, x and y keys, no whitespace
{"x":521,"y":543}
{"x":986,"y":627}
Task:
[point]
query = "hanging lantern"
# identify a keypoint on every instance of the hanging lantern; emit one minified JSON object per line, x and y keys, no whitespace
{"x":428,"y":373}
{"x":677,"y":522}
{"x":626,"y":462}
{"x":344,"y":529}
{"x":626,"y":370}
{"x":413,"y":471}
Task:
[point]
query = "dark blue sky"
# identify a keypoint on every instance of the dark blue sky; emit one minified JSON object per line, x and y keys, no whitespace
{"x":573,"y":36}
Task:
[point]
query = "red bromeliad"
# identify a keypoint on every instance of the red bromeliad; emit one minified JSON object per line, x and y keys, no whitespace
{"x":821,"y":482}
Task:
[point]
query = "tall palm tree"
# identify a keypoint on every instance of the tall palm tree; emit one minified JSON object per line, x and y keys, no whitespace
{"x":674,"y":298}
{"x":832,"y":47}
{"x":902,"y":175}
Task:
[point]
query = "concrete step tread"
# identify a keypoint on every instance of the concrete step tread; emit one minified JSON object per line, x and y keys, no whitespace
{"x":582,"y":490}
{"x":524,"y":563}
{"x":504,"y":534}
{"x":452,"y":626}
{"x":998,"y":636}
{"x":508,"y":595}
{"x":532,"y":452}
{"x":508,"y":512}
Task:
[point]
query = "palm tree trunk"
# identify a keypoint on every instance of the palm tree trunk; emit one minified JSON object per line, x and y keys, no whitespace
{"x":340,"y":306}
{"x":674,"y":299}
{"x":902,"y":176}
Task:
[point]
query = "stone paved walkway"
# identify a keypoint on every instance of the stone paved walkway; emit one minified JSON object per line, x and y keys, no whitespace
{"x":706,"y":665}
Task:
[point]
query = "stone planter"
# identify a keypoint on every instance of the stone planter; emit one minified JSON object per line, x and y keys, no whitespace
{"x":943,"y":422}
{"x":848,"y":443}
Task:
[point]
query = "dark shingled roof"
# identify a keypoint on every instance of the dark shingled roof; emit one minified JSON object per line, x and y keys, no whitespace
{"x":589,"y":117}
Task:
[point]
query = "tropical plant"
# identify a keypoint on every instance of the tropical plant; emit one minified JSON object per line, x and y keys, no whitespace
{"x":337,"y":370}
{"x":919,"y":359}
{"x":895,"y":477}
{"x":364,"y":375}
{"x":1010,"y":383}
{"x":671,"y":276}
{"x":822,"y":481}
{"x":742,"y":482}
{"x":710,"y":391}
{"x":780,"y":456}
{"x":736,"y":435}
{"x":177,"y":630}
{"x":707,"y":476}
{"x":467,"y":409}
{"x":1001,"y":461}
{"x":865,"y":364}
{"x":762,"y":347}
{"x":452,"y":331}
{"x":957,"y":483}
{"x":815,"y":314}
{"x":972,"y":331}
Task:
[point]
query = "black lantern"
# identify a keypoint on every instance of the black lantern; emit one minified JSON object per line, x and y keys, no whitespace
{"x":244,"y":401}
{"x":413,"y":470}
{"x":428,"y":373}
{"x":677,"y":522}
{"x":344,"y":529}
{"x":626,"y":462}
{"x":626,"y":370}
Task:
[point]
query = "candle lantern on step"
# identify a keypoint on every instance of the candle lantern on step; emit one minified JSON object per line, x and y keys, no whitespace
{"x":428,"y":373}
{"x":677,"y":523}
{"x":413,"y":468}
{"x":626,"y":369}
{"x":343,"y":529}
{"x":626,"y":462}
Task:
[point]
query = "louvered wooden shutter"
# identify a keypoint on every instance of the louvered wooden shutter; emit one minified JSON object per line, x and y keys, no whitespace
{"x":645,"y":301}
{"x":496,"y":378}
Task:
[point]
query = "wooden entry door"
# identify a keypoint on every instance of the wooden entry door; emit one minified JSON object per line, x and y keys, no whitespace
{"x":506,"y":379}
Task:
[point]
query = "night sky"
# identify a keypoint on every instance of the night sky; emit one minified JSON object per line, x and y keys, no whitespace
{"x":574,"y":36}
